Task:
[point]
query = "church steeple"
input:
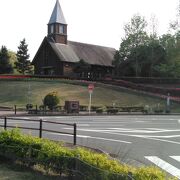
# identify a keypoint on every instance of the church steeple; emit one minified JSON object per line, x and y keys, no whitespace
{"x":57,"y":26}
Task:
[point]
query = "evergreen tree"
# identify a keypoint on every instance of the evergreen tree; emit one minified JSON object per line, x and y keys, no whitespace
{"x":23,"y":65}
{"x":5,"y":66}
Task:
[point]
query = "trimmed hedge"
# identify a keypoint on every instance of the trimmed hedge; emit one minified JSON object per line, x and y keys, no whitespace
{"x":53,"y":154}
{"x":146,"y":88}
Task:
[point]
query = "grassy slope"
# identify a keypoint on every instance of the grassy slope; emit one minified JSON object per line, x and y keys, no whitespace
{"x":16,"y":92}
{"x":10,"y":171}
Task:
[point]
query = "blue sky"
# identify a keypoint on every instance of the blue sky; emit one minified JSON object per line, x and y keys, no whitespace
{"x":98,"y":22}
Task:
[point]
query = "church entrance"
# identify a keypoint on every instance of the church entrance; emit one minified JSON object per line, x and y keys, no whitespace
{"x":47,"y":71}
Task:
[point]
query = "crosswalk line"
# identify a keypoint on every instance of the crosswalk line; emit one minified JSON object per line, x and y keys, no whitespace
{"x":177,"y":158}
{"x":164,"y":165}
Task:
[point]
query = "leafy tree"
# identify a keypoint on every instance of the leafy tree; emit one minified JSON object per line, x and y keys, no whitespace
{"x":171,"y":43}
{"x":51,"y":100}
{"x":148,"y":55}
{"x":12,"y":57}
{"x":135,"y":36}
{"x":175,"y":25}
{"x":5,"y":66}
{"x":116,"y":62}
{"x":23,"y":65}
{"x":171,"y":67}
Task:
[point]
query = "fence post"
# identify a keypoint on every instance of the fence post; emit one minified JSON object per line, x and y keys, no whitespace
{"x":5,"y":123}
{"x":15,"y":109}
{"x":75,"y":129}
{"x":36,"y":109}
{"x":130,"y":176}
{"x":40,"y":128}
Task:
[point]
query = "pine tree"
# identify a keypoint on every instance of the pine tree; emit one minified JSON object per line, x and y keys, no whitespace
{"x":5,"y":66}
{"x":23,"y":65}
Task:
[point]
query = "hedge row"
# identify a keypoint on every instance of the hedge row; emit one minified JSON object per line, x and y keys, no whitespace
{"x":151,"y":80}
{"x":140,"y":87}
{"x":92,"y":164}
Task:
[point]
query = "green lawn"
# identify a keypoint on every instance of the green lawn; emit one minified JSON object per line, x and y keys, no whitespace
{"x":22,"y":92}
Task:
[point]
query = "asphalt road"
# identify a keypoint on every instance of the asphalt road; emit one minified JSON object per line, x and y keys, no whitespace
{"x":134,"y":139}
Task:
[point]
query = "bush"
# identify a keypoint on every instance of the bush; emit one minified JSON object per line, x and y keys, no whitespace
{"x":112,"y":111}
{"x":158,"y":109}
{"x":99,"y":110}
{"x":41,"y":107}
{"x":29,"y":106}
{"x":83,"y":108}
{"x":51,"y":100}
{"x":52,"y":154}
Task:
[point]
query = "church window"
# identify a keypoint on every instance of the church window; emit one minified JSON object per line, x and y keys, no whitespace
{"x":61,"y":29}
{"x":52,"y":28}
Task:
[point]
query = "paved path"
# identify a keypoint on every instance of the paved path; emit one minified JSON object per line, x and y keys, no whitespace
{"x":133,"y":139}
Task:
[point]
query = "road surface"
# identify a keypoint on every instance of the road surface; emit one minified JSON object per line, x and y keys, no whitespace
{"x":134,"y":139}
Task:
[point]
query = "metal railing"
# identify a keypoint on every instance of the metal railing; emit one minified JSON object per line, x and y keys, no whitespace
{"x":40,"y":126}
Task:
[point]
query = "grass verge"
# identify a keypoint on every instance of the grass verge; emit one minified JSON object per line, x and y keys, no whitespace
{"x":23,"y":92}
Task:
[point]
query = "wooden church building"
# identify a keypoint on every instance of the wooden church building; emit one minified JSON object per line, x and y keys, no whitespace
{"x":59,"y":56}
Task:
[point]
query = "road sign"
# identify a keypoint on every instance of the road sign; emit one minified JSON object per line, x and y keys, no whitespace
{"x":90,"y":88}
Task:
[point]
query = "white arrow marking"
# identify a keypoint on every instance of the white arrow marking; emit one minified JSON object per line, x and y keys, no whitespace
{"x":177,"y":158}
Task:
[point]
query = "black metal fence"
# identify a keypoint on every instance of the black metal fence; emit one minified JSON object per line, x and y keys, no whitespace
{"x":40,"y":126}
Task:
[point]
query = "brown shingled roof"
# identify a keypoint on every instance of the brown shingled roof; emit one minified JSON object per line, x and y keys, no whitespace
{"x":92,"y":54}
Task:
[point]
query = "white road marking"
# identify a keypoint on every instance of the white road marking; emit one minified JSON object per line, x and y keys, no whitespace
{"x":82,"y":125}
{"x":166,"y":137}
{"x":135,"y":131}
{"x":57,"y":134}
{"x":162,"y":140}
{"x":114,"y":140}
{"x":130,"y":135}
{"x":92,"y":137}
{"x":164,"y":165}
{"x":177,"y":158}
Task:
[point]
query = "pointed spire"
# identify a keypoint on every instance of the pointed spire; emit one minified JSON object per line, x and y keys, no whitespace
{"x":57,"y":15}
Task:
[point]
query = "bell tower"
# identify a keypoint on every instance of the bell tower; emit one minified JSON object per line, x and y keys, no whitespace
{"x":57,"y":26}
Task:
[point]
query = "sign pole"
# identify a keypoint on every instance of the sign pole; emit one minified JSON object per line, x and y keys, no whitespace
{"x":90,"y":99}
{"x":90,"y":89}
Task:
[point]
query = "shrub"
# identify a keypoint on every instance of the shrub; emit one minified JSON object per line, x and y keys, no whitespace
{"x":52,"y":154}
{"x":83,"y":108}
{"x":112,"y":111}
{"x":100,"y":110}
{"x":29,"y":106}
{"x":51,"y":100}
{"x":41,"y":107}
{"x":158,"y":109}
